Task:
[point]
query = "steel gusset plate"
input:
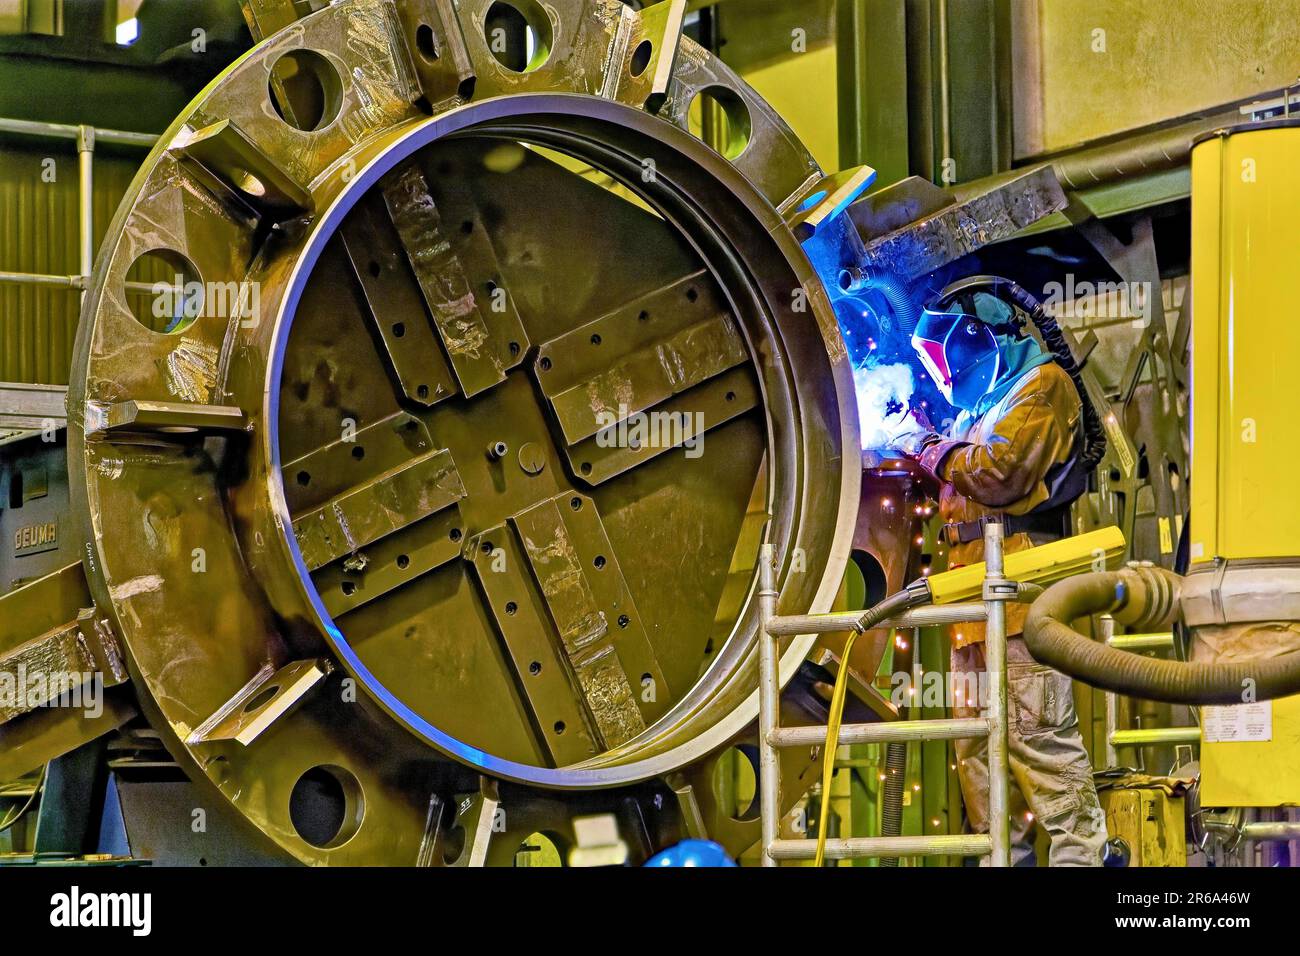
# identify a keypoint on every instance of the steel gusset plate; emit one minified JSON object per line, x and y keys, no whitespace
{"x":367,"y":521}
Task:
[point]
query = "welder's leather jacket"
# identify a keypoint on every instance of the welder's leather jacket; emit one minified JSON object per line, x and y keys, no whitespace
{"x":996,"y":464}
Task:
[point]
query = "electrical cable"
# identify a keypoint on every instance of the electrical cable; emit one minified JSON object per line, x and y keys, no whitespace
{"x":918,"y":592}
{"x":36,"y":791}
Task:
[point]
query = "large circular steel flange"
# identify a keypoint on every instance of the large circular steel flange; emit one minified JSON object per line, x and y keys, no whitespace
{"x":455,"y":435}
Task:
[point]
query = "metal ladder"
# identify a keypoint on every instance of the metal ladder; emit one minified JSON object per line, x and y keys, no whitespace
{"x":996,"y":844}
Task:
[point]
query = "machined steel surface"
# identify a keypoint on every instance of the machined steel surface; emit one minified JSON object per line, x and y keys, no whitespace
{"x":364,"y":501}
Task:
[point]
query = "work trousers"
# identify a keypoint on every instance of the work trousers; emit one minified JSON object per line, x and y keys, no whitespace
{"x":1051,"y":775}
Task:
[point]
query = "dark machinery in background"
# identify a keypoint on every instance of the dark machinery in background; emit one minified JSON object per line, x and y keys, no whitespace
{"x":355,"y":544}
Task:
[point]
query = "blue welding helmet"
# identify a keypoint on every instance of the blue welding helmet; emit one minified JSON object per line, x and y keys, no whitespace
{"x":961,"y":354}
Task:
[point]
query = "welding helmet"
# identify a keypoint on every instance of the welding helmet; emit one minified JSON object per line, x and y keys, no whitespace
{"x":960,"y":351}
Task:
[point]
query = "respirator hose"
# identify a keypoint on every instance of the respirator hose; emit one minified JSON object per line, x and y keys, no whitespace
{"x":1143,"y":598}
{"x":1094,"y":433}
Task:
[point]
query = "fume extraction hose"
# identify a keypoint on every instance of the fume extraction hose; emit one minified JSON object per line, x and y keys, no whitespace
{"x":899,"y":297}
{"x":1143,"y":597}
{"x":896,"y":291}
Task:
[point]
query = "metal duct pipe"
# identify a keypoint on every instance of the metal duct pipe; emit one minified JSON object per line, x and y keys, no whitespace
{"x":1092,"y":166}
{"x":117,"y":137}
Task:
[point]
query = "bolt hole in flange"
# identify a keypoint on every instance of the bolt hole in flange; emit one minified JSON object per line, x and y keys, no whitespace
{"x":641,"y":57}
{"x":720,"y":117}
{"x":453,"y":844}
{"x":262,"y":698}
{"x":165,"y":291}
{"x":735,"y":783}
{"x":426,"y":43}
{"x":326,"y":806}
{"x":311,"y":86}
{"x":247,"y":183}
{"x":539,"y":849}
{"x":519,"y":34}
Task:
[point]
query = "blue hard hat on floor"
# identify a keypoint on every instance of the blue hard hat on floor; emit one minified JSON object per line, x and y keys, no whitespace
{"x":692,"y":853}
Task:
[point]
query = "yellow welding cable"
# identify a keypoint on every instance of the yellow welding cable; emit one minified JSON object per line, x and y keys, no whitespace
{"x":833,"y":741}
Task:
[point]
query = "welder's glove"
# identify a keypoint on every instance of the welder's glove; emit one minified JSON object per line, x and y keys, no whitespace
{"x":931,"y":457}
{"x":928,"y":449}
{"x":913,"y":444}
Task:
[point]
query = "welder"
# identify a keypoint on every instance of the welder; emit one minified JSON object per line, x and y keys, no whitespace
{"x":1018,"y":453}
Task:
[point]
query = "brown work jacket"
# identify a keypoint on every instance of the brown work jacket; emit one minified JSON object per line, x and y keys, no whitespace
{"x":997,"y":464}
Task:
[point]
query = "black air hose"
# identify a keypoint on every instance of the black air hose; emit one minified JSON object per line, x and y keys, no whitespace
{"x":1143,"y":598}
{"x":1094,"y":433}
{"x":891,"y":807}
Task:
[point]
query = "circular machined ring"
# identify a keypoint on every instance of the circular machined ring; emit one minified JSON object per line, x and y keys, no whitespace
{"x":606,"y":134}
{"x":193,"y":552}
